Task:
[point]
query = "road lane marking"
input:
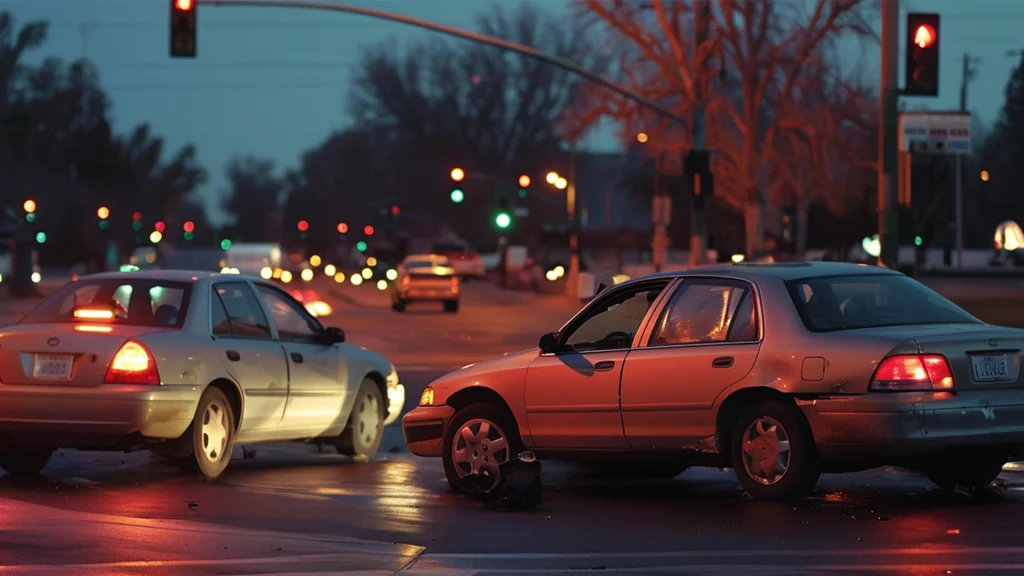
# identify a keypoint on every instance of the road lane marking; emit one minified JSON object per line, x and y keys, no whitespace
{"x":724,"y":553}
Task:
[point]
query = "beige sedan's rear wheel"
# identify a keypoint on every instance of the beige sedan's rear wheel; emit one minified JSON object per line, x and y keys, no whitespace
{"x":24,"y":462}
{"x":213,"y":435}
{"x":365,"y":430}
{"x":773,"y":452}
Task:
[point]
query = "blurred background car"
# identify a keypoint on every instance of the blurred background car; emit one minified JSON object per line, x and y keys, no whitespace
{"x":426,"y":278}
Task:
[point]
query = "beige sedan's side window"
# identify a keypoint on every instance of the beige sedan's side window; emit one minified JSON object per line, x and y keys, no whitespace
{"x":707,"y":311}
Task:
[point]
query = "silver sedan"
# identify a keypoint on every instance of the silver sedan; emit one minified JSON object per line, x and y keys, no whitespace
{"x":186,"y":364}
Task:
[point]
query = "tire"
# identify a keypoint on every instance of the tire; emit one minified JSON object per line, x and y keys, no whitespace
{"x":653,"y":470}
{"x":365,"y":429}
{"x":974,"y":472}
{"x":212,"y":425}
{"x":803,"y":466}
{"x":498,"y":418}
{"x":398,"y":306}
{"x":24,"y":463}
{"x":451,"y":306}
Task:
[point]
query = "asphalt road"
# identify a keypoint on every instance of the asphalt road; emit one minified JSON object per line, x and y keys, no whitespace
{"x":292,"y":510}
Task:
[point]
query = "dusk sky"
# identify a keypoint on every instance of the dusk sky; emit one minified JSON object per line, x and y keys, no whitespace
{"x":272,"y":82}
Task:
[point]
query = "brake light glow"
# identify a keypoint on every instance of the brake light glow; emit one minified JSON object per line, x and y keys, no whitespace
{"x":133,"y":364}
{"x":94,"y":314}
{"x":913,"y":372}
{"x":93,"y":328}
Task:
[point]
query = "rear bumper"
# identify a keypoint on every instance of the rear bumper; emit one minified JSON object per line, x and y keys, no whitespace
{"x":914,"y":424}
{"x":95,"y":417}
{"x":427,"y":294}
{"x":423,"y":429}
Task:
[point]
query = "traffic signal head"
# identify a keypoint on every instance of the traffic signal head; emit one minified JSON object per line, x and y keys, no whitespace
{"x":303,"y":225}
{"x":361,"y":246}
{"x":189,"y":227}
{"x":368,"y":230}
{"x":29,"y":206}
{"x":103,"y":212}
{"x":225,"y":244}
{"x":160,"y":227}
{"x":342,"y":228}
{"x":502,"y":220}
{"x":183,"y":29}
{"x":524,"y":181}
{"x":458,"y":174}
{"x":137,"y":217}
{"x":395,"y":210}
{"x":922,"y":65}
{"x":457,"y":196}
{"x":41,"y":237}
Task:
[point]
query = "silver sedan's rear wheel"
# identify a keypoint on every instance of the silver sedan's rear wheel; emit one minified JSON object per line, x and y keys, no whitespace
{"x":773,"y":452}
{"x":365,"y":430}
{"x":213,"y":434}
{"x":24,"y":462}
{"x":478,"y":440}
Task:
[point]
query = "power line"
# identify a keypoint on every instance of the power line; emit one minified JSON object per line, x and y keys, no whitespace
{"x":227,"y":65}
{"x":227,"y":86}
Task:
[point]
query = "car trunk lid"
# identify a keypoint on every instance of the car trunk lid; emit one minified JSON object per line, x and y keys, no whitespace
{"x":980,"y":356}
{"x":62,"y":354}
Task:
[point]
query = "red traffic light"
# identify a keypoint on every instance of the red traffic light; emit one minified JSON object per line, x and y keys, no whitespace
{"x":395,"y":210}
{"x":184,"y":4}
{"x":137,"y":216}
{"x":160,"y":227}
{"x":183,"y":28}
{"x":303,"y":225}
{"x":368,"y":230}
{"x":189,"y":226}
{"x":924,"y":36}
{"x":342,"y":228}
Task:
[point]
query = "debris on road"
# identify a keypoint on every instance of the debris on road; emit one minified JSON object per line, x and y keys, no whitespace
{"x":518,"y":487}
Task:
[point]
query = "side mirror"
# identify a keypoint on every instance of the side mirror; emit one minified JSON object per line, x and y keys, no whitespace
{"x":334,"y":336}
{"x":548,"y":343}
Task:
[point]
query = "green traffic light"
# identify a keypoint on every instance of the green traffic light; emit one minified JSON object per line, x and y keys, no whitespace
{"x":522,"y":192}
{"x":503,"y":220}
{"x":136,"y":226}
{"x":457,"y":196}
{"x":41,"y":237}
{"x":361,"y":246}
{"x":30,"y":218}
{"x":225,"y":244}
{"x":189,"y":236}
{"x":104,"y":224}
{"x":918,"y":241}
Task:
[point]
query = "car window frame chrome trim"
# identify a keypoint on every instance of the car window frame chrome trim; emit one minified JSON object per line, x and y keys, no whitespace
{"x":611,"y":293}
{"x":209,"y":314}
{"x":645,"y":342}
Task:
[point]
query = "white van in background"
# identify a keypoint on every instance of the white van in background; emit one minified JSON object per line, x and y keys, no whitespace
{"x":252,"y":258}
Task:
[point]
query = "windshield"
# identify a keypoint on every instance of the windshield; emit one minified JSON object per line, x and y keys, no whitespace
{"x":134,"y":301}
{"x":871,"y":301}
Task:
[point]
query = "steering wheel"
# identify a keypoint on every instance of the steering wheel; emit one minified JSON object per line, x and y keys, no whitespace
{"x":625,"y":337}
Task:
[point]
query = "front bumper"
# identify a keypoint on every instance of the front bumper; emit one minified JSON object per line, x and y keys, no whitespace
{"x":914,"y":424}
{"x":423,"y":429}
{"x":94,"y":417}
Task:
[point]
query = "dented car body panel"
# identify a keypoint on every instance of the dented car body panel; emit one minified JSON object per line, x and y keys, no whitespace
{"x":667,"y":377}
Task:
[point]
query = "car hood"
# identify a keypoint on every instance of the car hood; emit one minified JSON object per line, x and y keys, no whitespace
{"x":472,"y":374}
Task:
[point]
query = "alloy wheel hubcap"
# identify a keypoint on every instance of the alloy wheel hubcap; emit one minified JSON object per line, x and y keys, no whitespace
{"x":369,"y":419}
{"x":215,"y":432}
{"x":480,"y":447}
{"x":766,"y":451}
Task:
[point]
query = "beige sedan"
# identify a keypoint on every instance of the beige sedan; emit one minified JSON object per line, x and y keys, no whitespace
{"x":781,"y":372}
{"x":186,"y":364}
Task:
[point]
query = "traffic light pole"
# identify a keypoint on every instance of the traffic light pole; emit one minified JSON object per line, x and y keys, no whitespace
{"x":888,"y":209}
{"x":698,"y":218}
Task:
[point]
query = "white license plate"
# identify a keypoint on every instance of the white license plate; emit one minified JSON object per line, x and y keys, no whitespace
{"x":52,"y":367}
{"x":990,"y":368}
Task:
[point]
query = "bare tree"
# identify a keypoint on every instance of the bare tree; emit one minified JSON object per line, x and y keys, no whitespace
{"x":758,"y":46}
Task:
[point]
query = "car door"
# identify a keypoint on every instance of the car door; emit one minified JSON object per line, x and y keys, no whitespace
{"x":572,"y":396}
{"x":251,"y":356}
{"x":706,"y":339}
{"x":316,"y":391}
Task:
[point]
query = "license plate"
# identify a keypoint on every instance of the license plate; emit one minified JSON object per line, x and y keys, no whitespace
{"x":52,"y":367}
{"x":990,"y":368}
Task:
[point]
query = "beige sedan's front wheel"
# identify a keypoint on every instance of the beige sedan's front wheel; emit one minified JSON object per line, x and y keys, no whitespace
{"x":213,"y":435}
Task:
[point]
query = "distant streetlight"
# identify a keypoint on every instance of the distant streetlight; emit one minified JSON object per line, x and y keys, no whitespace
{"x":552,"y":177}
{"x":984,"y":176}
{"x":561,"y":183}
{"x":641,"y":137}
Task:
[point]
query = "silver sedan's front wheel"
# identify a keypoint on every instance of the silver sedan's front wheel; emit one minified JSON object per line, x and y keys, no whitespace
{"x":365,"y":429}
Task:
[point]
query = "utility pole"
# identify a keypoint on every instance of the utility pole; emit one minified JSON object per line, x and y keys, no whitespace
{"x":661,"y":214}
{"x":888,"y":209}
{"x":698,"y":217}
{"x":966,"y":78}
{"x":572,"y":278}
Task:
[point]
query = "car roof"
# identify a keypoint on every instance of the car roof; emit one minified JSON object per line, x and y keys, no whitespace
{"x":169,"y":275}
{"x":781,"y":270}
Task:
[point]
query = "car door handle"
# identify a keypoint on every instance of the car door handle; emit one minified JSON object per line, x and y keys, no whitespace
{"x":604,"y":366}
{"x":233,"y":356}
{"x":296,"y":357}
{"x":723,"y":362}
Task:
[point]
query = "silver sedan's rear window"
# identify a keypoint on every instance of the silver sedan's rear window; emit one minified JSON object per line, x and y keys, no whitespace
{"x":133,"y":301}
{"x":832,"y":303}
